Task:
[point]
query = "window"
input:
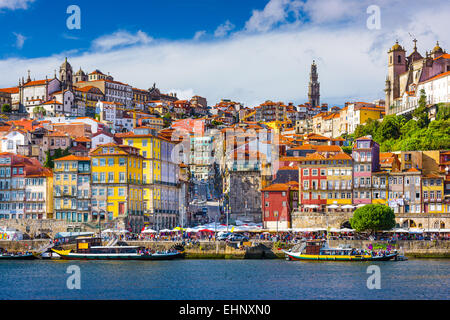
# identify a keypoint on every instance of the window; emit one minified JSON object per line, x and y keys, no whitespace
{"x":306,"y":172}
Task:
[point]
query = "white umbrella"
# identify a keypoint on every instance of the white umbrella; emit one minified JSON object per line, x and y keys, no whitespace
{"x":149,"y":231}
{"x":348,"y":206}
{"x":165,"y":230}
{"x":123,"y":231}
{"x":333,"y":206}
{"x":108,"y":231}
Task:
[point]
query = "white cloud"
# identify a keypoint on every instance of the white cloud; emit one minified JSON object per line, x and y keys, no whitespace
{"x":252,"y":67}
{"x":20,"y":40}
{"x":199,"y":34}
{"x":275,"y":12}
{"x":15,"y":4}
{"x":183,"y":94}
{"x":120,"y":39}
{"x":223,"y":29}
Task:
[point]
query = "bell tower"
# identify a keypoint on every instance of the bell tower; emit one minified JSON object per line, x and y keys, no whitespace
{"x":66,"y":75}
{"x":314,"y":86}
{"x":396,"y":66}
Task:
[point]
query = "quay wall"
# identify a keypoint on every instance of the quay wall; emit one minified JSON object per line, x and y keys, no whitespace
{"x":258,"y":250}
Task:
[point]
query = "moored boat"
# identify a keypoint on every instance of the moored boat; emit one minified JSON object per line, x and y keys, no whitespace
{"x":17,"y":256}
{"x":91,"y":249}
{"x":319,"y":250}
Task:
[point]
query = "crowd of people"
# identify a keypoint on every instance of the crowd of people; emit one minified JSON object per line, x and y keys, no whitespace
{"x":289,"y":237}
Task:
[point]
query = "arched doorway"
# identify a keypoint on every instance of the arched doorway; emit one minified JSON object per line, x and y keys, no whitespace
{"x":409,"y":224}
{"x":439,"y":225}
{"x":346,"y":224}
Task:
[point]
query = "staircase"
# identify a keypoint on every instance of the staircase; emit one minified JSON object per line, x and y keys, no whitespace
{"x":45,"y":248}
{"x":112,"y":242}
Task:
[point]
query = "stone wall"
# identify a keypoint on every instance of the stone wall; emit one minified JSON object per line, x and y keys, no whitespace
{"x":258,"y":250}
{"x":48,"y":226}
{"x":319,"y":220}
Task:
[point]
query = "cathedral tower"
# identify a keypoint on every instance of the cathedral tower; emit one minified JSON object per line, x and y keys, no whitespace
{"x":396,"y":66}
{"x":66,"y":75}
{"x":314,"y":86}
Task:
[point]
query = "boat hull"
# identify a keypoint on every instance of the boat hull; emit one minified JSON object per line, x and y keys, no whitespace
{"x":18,"y":257}
{"x":78,"y":256}
{"x":293,"y":256}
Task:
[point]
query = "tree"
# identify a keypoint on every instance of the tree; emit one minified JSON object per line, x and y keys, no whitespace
{"x":421,"y":113}
{"x":59,"y":153}
{"x":167,"y":120}
{"x":347,"y":149}
{"x":443,"y":111}
{"x":373,"y":217}
{"x":39,"y":110}
{"x":390,"y":128}
{"x":6,"y":108}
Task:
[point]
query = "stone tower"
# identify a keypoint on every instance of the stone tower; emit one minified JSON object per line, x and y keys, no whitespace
{"x":314,"y":86}
{"x":66,"y":75}
{"x":396,"y":66}
{"x":80,"y":76}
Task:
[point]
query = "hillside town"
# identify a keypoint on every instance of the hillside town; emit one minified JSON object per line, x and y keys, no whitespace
{"x":86,"y":151}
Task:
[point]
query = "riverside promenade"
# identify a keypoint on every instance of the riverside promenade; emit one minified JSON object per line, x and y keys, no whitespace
{"x":256,"y":249}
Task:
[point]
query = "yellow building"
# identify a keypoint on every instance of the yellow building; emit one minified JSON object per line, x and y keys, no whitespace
{"x":160,"y":176}
{"x":380,"y":187}
{"x":90,"y":95}
{"x":433,"y":193}
{"x":117,"y":184}
{"x":71,"y":189}
{"x":339,"y":180}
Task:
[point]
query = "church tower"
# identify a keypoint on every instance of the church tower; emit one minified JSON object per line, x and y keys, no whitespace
{"x":314,"y":86}
{"x":396,"y":66}
{"x":66,"y":75}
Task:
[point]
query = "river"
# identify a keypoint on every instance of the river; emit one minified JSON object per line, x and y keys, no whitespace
{"x":224,"y":279}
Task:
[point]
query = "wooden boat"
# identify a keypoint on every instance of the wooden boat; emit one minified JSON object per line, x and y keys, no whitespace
{"x":91,"y":249}
{"x":319,"y":250}
{"x":14,"y":256}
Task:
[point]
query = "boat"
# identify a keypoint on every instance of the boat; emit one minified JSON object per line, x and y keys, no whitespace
{"x":49,"y":254}
{"x":91,"y":249}
{"x":17,"y":256}
{"x":320,"y":250}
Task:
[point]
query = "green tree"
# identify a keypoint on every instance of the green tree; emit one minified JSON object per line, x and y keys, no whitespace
{"x":59,"y":153}
{"x":347,"y":149}
{"x":167,"y":118}
{"x":443,"y":111}
{"x":6,"y":108}
{"x":421,"y":113}
{"x":389,"y":128}
{"x":373,"y":217}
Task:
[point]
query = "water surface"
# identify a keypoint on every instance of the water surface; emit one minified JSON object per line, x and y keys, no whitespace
{"x":224,"y":279}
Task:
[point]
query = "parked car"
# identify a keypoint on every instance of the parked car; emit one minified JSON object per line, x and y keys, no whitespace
{"x":223,"y":236}
{"x":237,"y":237}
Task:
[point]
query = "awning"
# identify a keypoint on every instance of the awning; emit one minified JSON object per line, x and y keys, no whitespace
{"x":348,"y":206}
{"x":333,"y":206}
{"x":149,"y":231}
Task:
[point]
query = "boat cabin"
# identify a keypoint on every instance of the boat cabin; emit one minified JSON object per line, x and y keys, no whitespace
{"x":313,"y":247}
{"x":84,"y":244}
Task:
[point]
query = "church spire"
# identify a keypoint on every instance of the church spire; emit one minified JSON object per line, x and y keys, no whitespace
{"x":314,"y":86}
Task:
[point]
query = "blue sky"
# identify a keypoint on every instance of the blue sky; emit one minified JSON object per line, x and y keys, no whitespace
{"x":43,"y":23}
{"x":249,"y":50}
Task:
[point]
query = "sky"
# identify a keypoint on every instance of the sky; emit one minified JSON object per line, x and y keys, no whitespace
{"x":248,"y":51}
